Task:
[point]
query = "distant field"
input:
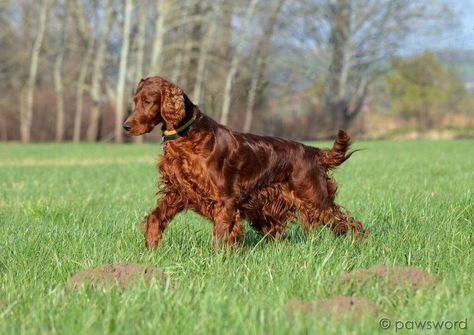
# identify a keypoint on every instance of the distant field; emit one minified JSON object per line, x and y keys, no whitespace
{"x":64,"y":208}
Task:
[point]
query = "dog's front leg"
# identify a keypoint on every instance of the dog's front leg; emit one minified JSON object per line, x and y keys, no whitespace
{"x":156,"y":222}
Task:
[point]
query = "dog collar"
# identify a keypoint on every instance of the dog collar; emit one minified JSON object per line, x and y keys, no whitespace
{"x":180,"y":131}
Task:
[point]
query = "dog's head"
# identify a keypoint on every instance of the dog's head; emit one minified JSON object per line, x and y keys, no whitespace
{"x":156,"y":100}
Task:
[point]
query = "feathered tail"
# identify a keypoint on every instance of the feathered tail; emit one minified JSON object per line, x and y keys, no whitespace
{"x":331,"y":158}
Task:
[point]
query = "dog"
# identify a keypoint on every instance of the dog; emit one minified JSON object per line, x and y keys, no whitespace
{"x":227,"y":176}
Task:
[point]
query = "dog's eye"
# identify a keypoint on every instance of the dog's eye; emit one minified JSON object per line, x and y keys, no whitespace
{"x":147,"y":102}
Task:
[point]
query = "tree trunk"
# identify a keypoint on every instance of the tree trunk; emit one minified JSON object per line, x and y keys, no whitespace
{"x":26,"y":113}
{"x":252,"y":94}
{"x":58,"y":78}
{"x":141,"y":34}
{"x":178,"y":59}
{"x":203,"y":55}
{"x":140,"y":55}
{"x":81,"y":84}
{"x":258,"y":70}
{"x":344,"y":99}
{"x":196,"y":43}
{"x":336,"y":102}
{"x":3,"y":130}
{"x":58,"y":85}
{"x":226,"y":29}
{"x":355,"y":106}
{"x":191,"y":48}
{"x":235,"y":62}
{"x":187,"y":49}
{"x":88,"y":36}
{"x":158,"y":42}
{"x":97,"y":75}
{"x":122,"y":71}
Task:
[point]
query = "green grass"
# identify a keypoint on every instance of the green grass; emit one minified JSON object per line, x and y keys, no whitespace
{"x":67,"y":207}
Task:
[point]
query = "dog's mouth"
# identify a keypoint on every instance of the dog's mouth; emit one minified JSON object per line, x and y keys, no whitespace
{"x":137,"y":131}
{"x":134,"y":127}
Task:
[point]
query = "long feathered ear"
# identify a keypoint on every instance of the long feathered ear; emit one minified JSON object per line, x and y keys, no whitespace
{"x":172,"y":104}
{"x":140,"y":84}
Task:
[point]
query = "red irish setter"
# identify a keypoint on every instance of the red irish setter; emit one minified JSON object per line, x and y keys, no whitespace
{"x":227,"y":176}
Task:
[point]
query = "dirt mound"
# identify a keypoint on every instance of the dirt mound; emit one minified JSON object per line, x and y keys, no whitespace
{"x":337,"y":307}
{"x":299,"y":306}
{"x":109,"y":275}
{"x":354,"y":307}
{"x":407,"y":276}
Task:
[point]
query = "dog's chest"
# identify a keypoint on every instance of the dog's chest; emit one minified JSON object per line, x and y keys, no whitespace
{"x":187,"y":174}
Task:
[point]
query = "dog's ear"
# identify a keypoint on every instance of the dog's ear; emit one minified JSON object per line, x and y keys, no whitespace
{"x":172,"y":104}
{"x":140,"y":84}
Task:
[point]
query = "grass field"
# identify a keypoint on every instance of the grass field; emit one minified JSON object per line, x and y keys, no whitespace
{"x":64,"y":208}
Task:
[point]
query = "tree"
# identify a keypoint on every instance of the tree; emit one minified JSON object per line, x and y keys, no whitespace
{"x":235,"y":62}
{"x":179,"y":53}
{"x":421,"y":88}
{"x":97,"y":73}
{"x":119,"y":108}
{"x":140,"y":51}
{"x":354,"y":42}
{"x":87,"y":38}
{"x":162,"y":9}
{"x":320,"y":65}
{"x":194,"y":35}
{"x":204,"y":52}
{"x":26,"y":111}
{"x":57,"y":72}
{"x":261,"y":55}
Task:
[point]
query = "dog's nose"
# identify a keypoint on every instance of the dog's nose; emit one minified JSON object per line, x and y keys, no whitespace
{"x":127,"y":126}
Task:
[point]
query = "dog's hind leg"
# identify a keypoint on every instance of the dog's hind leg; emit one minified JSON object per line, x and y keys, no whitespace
{"x":334,"y":217}
{"x":270,"y":209}
{"x":339,"y":221}
{"x":315,"y":199}
{"x":269,"y":227}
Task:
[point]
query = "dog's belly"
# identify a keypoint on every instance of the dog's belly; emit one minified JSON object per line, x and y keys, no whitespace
{"x":271,"y":203}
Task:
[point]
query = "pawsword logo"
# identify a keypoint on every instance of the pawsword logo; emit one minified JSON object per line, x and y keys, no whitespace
{"x":423,"y":324}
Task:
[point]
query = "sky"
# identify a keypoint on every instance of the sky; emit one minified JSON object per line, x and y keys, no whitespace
{"x":463,"y":38}
{"x":458,"y":35}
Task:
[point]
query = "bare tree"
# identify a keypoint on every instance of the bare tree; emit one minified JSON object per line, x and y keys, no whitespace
{"x":235,"y":62}
{"x":204,"y":51}
{"x":57,"y":72}
{"x":140,"y":52}
{"x":97,"y":73}
{"x":141,"y":35}
{"x":88,"y":38}
{"x":191,"y":41}
{"x":361,"y":38}
{"x":339,"y":15}
{"x":226,"y":28}
{"x":263,"y":48}
{"x":162,"y":8}
{"x":329,"y":52}
{"x":173,"y":19}
{"x":178,"y":59}
{"x":26,"y":113}
{"x":119,"y":108}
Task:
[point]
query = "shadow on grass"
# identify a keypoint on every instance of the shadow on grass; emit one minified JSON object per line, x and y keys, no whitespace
{"x":293,"y":235}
